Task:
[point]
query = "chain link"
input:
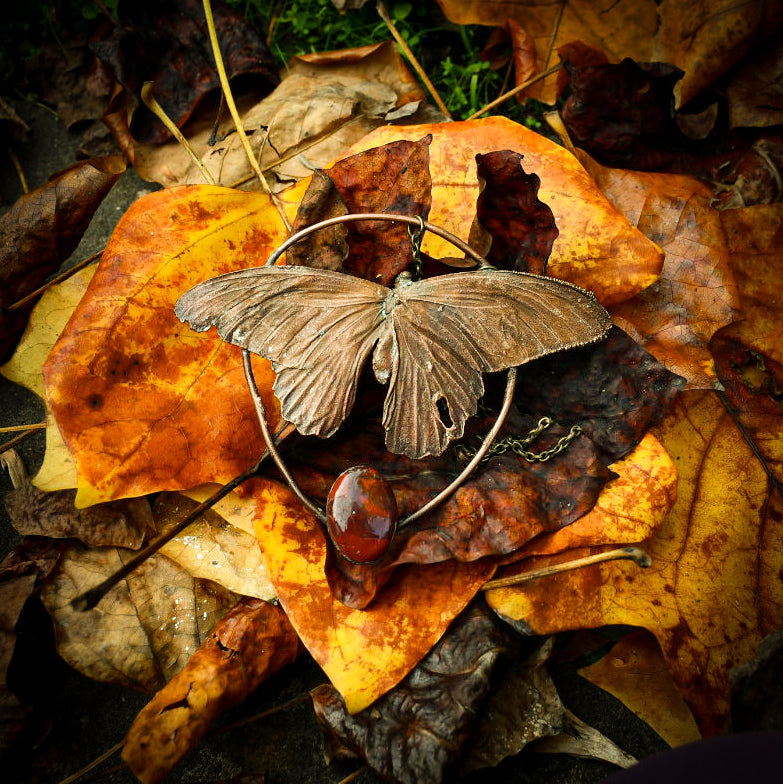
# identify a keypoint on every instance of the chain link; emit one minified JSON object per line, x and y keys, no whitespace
{"x":517,"y":444}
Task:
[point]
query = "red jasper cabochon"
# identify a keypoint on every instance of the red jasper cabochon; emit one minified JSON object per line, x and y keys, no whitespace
{"x":361,"y":514}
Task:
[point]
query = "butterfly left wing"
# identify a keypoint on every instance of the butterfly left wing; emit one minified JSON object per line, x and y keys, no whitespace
{"x":448,"y":330}
{"x":317,"y":327}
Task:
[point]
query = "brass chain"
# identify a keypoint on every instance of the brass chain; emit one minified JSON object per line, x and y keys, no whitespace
{"x":517,"y":444}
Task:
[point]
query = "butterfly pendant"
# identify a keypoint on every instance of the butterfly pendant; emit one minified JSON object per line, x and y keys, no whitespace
{"x":430,"y":340}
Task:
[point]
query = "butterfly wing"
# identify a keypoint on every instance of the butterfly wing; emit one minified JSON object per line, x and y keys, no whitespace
{"x":448,"y":330}
{"x":317,"y":327}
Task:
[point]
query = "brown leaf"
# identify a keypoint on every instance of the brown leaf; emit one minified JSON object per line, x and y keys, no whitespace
{"x":35,"y":513}
{"x":252,"y":641}
{"x":144,"y":631}
{"x":412,"y":734}
{"x":677,"y":315}
{"x":521,"y":227}
{"x":756,"y":696}
{"x":755,"y":95}
{"x":44,"y":226}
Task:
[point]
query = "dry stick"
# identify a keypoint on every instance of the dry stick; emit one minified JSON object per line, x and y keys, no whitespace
{"x":22,"y":303}
{"x":625,"y":553}
{"x":19,"y":428}
{"x":355,"y":775}
{"x":87,"y":768}
{"x":157,"y":110}
{"x":518,"y":89}
{"x":555,"y":30}
{"x":384,"y":14}
{"x":90,"y":598}
{"x":18,"y":440}
{"x":232,"y":107}
{"x":19,"y":169}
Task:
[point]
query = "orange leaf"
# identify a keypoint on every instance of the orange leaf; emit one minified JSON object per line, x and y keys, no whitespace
{"x":143,"y":402}
{"x":695,"y":296}
{"x":364,"y":652}
{"x":250,"y":643}
{"x":713,"y":590}
{"x":596,"y":248}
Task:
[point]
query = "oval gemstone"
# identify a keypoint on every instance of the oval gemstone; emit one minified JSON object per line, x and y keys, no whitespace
{"x":361,"y":514}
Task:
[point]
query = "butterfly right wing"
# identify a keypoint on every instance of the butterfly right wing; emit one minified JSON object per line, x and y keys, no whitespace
{"x":317,"y":327}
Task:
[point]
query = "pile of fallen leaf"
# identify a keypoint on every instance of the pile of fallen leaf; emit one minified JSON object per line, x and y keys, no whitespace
{"x":680,"y":451}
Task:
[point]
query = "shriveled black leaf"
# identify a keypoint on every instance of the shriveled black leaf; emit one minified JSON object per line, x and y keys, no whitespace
{"x":414,"y":732}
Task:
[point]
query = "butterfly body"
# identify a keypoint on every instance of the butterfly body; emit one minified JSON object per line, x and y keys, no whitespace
{"x":430,"y":340}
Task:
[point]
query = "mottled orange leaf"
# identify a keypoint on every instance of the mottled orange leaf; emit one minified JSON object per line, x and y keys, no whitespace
{"x":695,"y":295}
{"x":364,"y":652}
{"x":713,"y":590}
{"x":635,"y":672}
{"x":143,"y":402}
{"x":250,"y":643}
{"x":596,"y":248}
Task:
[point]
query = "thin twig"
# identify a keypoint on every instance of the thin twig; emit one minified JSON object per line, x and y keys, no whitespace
{"x":158,"y":111}
{"x":19,"y":169}
{"x":624,"y":553}
{"x":76,"y":776}
{"x":355,"y":775}
{"x":22,"y":303}
{"x":518,"y":89}
{"x":264,"y":714}
{"x":384,"y":14}
{"x":555,"y":30}
{"x":20,"y":428}
{"x":232,"y":107}
{"x":17,"y":440}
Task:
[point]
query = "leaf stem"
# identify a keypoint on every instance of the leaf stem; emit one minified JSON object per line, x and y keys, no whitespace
{"x":18,"y":439}
{"x":624,"y":553}
{"x":518,"y":89}
{"x":232,"y":107}
{"x":158,"y":111}
{"x":406,"y":50}
{"x":97,"y":761}
{"x":18,"y":428}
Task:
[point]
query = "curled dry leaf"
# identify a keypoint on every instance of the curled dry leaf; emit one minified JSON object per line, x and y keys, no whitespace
{"x":596,"y":248}
{"x":635,"y":672}
{"x":363,"y":652}
{"x":125,"y":350}
{"x":722,"y":538}
{"x":144,"y":630}
{"x":213,"y":549}
{"x":252,"y":641}
{"x":44,"y":226}
{"x":696,"y":294}
{"x":412,"y":734}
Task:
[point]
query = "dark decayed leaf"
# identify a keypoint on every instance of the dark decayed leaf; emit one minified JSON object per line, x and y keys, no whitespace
{"x":615,"y":391}
{"x":414,"y":732}
{"x":252,"y":641}
{"x":394,"y":178}
{"x":44,"y":226}
{"x":521,"y":228}
{"x":168,"y":44}
{"x":756,"y":689}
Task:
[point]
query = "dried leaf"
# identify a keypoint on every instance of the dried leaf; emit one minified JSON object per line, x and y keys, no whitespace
{"x":756,"y":697}
{"x":722,"y":538}
{"x":144,"y":630}
{"x":521,"y":228}
{"x":755,"y":94}
{"x":635,"y":672}
{"x":44,"y":226}
{"x":213,"y":549}
{"x":413,"y":733}
{"x":128,"y":383}
{"x":251,"y":642}
{"x":364,"y":652}
{"x":675,"y":318}
{"x":596,"y":248}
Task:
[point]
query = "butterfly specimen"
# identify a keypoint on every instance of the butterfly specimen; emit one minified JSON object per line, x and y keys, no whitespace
{"x":430,"y":340}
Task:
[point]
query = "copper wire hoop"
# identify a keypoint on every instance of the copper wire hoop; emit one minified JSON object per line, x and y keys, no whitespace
{"x":422,"y":225}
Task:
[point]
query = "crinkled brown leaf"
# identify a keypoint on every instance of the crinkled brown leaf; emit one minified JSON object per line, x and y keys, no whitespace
{"x":168,"y":44}
{"x":393,"y":178}
{"x":615,"y":391}
{"x":412,"y":734}
{"x":696,"y":294}
{"x":144,"y":630}
{"x":44,"y":226}
{"x":125,"y":523}
{"x":755,"y":95}
{"x":252,"y":641}
{"x":521,"y":228}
